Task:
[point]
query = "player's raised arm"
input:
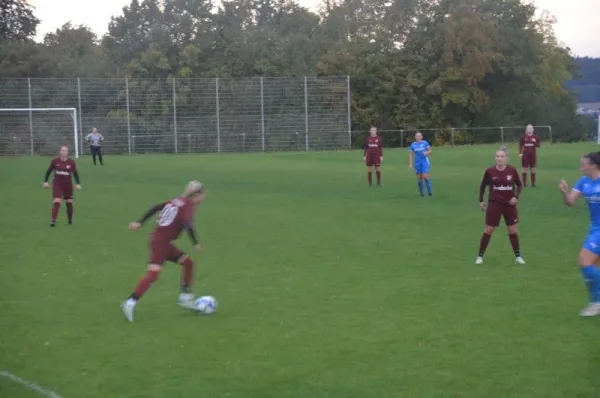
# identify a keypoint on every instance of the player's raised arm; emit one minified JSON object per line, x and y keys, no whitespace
{"x":570,"y":196}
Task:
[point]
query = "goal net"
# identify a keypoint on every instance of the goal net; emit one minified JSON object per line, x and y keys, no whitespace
{"x":38,"y":131}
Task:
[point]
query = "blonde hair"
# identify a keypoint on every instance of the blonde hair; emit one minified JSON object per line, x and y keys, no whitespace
{"x":192,"y":188}
{"x":503,"y":148}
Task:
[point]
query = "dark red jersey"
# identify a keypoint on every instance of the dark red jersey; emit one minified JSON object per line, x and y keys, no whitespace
{"x":63,"y":170}
{"x":529,"y":143}
{"x":174,"y":216}
{"x":504,"y":184}
{"x":373,"y":145}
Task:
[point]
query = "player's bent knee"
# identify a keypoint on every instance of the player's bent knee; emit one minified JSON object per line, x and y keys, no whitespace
{"x":57,"y":200}
{"x":154,"y":268}
{"x":587,"y":257}
{"x":185,"y":260}
{"x":513,"y":229}
{"x":69,"y":200}
{"x":489,"y":229}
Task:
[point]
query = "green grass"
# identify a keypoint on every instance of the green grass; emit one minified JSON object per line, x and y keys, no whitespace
{"x":326,"y":288}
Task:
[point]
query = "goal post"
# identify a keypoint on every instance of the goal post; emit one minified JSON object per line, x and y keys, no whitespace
{"x":38,"y":131}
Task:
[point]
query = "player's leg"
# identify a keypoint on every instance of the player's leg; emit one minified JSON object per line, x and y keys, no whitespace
{"x":99,"y":149}
{"x":524,"y":167}
{"x":420,"y":182}
{"x":93,"y":151}
{"x":492,"y":220}
{"x":511,"y":218}
{"x":588,"y":260}
{"x":378,"y":172}
{"x":532,"y":171}
{"x":370,"y":163}
{"x":425,"y":173}
{"x":186,"y":298}
{"x":68,"y":196}
{"x":57,"y":195}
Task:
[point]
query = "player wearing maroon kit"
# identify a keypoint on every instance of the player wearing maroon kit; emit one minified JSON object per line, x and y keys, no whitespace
{"x":62,"y":185}
{"x":528,"y":145}
{"x":505,"y":188}
{"x":175,"y":216}
{"x":373,"y":155}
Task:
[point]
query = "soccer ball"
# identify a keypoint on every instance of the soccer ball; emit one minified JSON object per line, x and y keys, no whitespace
{"x":206,"y":305}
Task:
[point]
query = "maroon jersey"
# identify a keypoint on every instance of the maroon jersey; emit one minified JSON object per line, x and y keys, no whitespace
{"x":504,"y":184}
{"x":373,"y":146}
{"x":528,"y":144}
{"x":172,"y":219}
{"x":63,"y":171}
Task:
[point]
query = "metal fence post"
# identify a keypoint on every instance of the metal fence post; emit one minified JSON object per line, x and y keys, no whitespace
{"x":30,"y":117}
{"x":80,"y":118}
{"x":129,"y":143}
{"x":452,"y":133}
{"x":550,"y":128}
{"x":218,"y":116}
{"x":349,"y":112}
{"x":175,"y":115}
{"x":402,"y":138}
{"x":306,"y":112}
{"x":262,"y":112}
{"x":502,"y":134}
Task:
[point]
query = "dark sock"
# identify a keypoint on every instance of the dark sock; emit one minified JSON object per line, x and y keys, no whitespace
{"x":524,"y":178}
{"x":532,"y":178}
{"x":94,"y":157}
{"x":378,"y":177}
{"x":483,"y":244}
{"x":70,"y":212}
{"x":370,"y":177}
{"x":144,"y":284}
{"x":514,"y":242}
{"x":187,"y":274}
{"x":55,"y":210}
{"x":100,"y":159}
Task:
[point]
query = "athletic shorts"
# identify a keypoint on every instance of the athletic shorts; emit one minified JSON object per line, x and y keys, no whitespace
{"x":161,"y":252}
{"x":496,"y":211}
{"x":592,"y":243}
{"x":62,"y":191}
{"x":422,"y":166}
{"x":373,"y":159}
{"x":528,"y":160}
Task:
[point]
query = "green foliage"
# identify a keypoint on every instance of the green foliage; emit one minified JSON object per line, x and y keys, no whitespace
{"x":413,"y":63}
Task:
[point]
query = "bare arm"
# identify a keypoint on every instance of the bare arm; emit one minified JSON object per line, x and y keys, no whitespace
{"x":569,"y":196}
{"x":410,"y":158}
{"x":428,"y":151}
{"x":521,"y":143}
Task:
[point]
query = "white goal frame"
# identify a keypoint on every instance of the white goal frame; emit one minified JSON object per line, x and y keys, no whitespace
{"x":72,"y":112}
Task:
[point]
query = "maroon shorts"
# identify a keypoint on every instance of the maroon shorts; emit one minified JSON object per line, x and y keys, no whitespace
{"x":528,"y":160}
{"x":373,"y":159}
{"x":495,"y":211}
{"x":62,"y":191}
{"x":161,"y":252}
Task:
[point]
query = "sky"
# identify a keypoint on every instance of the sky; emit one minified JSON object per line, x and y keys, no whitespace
{"x":575,"y":26}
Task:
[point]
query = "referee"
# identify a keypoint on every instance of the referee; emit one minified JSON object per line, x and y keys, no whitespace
{"x":95,"y":140}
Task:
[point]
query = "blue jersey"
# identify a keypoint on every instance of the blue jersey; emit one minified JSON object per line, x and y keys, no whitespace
{"x":590,"y":190}
{"x":419,"y":148}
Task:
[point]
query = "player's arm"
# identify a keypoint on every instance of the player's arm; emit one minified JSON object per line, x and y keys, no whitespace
{"x":48,"y":172}
{"x":428,"y":151}
{"x":570,"y":197}
{"x":87,"y":137}
{"x":521,"y":145}
{"x":366,"y":148}
{"x":76,"y":174}
{"x":191,"y":231}
{"x":538,"y":142}
{"x":380,"y":148}
{"x":101,"y":137}
{"x":150,"y":212}
{"x":518,"y":184}
{"x":411,"y":156}
{"x":482,"y":186}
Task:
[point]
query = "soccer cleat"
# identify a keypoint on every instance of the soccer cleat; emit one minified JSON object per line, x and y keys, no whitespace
{"x":186,"y":300}
{"x":70,"y":222}
{"x":592,"y":309}
{"x":430,"y":194}
{"x":519,"y":260}
{"x":479,"y":260}
{"x":128,"y":307}
{"x":52,"y":224}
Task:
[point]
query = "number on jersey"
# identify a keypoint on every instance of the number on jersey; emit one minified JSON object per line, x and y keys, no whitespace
{"x":167,"y":215}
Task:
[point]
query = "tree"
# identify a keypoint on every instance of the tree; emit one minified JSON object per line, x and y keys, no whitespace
{"x":17,"y":21}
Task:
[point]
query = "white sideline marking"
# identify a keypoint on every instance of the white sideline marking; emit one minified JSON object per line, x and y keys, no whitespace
{"x":28,"y":384}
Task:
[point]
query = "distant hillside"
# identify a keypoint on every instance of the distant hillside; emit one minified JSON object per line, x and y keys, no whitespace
{"x":588,"y":87}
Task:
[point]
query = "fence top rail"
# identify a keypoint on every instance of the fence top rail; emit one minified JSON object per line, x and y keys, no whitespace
{"x":450,"y":128}
{"x":35,"y":109}
{"x":170,"y":78}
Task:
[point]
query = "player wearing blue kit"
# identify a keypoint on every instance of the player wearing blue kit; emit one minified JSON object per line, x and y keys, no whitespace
{"x":588,"y":186}
{"x":418,"y":157}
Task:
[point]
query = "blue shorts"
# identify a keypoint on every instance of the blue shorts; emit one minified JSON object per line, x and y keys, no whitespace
{"x":422,"y":166}
{"x":592,"y":243}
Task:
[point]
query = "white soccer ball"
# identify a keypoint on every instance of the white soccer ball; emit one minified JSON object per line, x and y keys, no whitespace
{"x":206,"y":305}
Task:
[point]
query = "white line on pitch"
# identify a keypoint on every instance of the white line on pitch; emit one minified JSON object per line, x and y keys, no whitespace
{"x":28,"y":384}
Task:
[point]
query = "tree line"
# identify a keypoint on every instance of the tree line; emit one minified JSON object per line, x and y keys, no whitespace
{"x":413,"y":63}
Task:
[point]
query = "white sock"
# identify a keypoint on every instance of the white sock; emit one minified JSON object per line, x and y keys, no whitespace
{"x":131,"y":302}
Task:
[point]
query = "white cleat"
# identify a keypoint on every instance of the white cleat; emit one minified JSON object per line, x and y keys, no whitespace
{"x":592,"y":309}
{"x":479,"y":260}
{"x":186,"y":300}
{"x":128,"y":308}
{"x":519,"y":260}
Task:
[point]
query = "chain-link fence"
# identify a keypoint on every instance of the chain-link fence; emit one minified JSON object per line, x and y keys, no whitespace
{"x":178,"y":115}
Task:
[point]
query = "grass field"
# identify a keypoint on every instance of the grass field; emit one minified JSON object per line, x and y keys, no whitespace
{"x":326,"y":288}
